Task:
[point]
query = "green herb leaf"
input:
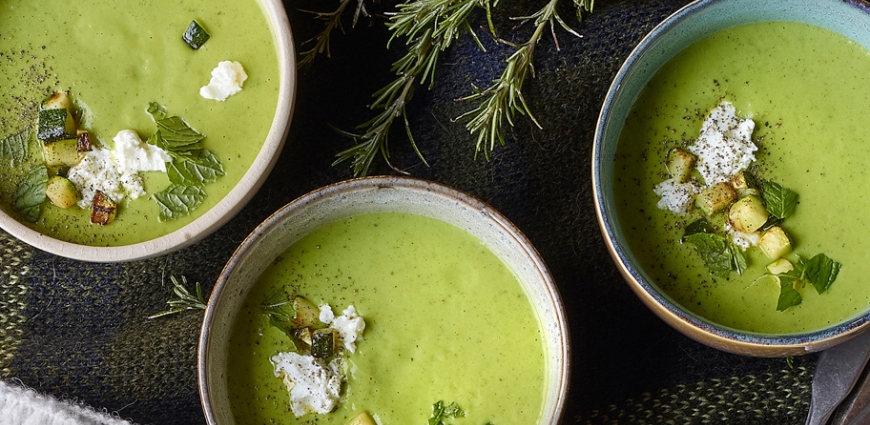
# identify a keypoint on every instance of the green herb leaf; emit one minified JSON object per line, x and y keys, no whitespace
{"x":278,"y":308}
{"x":780,"y":202}
{"x":178,"y":200}
{"x":698,"y":226}
{"x":714,"y":251}
{"x":821,"y":271}
{"x":738,"y":260}
{"x":788,"y":295}
{"x":157,"y":111}
{"x":31,"y":194}
{"x":441,"y":411}
{"x":189,"y":171}
{"x":14,"y":147}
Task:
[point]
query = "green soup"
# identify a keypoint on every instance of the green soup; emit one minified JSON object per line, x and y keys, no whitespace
{"x":807,"y":90}
{"x":445,"y":320}
{"x":115,"y":58}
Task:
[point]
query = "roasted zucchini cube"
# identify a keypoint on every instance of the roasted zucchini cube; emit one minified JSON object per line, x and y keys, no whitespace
{"x":195,"y":36}
{"x":323,"y":343}
{"x":780,"y":266}
{"x":775,"y":243}
{"x":103,"y":209}
{"x":61,"y":192}
{"x":715,"y":198}
{"x":84,"y":141}
{"x":748,"y":214}
{"x":362,"y":419}
{"x":55,"y":124}
{"x":680,"y":164}
{"x":58,"y":100}
{"x":307,"y":314}
{"x":61,"y":153}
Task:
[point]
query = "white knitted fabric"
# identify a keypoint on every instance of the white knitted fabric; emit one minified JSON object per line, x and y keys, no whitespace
{"x":24,"y":406}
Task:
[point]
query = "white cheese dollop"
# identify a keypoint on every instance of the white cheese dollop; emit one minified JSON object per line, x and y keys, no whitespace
{"x":115,"y":172}
{"x":313,"y":385}
{"x":349,"y":325}
{"x":226,"y":80}
{"x":675,"y":197}
{"x":725,"y":146}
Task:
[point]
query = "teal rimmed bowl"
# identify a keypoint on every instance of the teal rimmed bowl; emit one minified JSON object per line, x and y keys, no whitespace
{"x":688,"y":25}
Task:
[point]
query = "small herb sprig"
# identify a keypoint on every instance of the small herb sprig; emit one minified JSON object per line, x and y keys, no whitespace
{"x":442,"y":411}
{"x":331,"y":21}
{"x":820,"y":271}
{"x":183,"y":300}
{"x":504,"y":98}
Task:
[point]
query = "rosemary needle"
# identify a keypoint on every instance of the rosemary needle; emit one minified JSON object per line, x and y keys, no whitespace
{"x":184,"y":299}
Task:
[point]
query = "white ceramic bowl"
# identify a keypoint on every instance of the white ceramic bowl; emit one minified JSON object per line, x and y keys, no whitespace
{"x":227,"y":207}
{"x":369,"y":195}
{"x":679,"y":31}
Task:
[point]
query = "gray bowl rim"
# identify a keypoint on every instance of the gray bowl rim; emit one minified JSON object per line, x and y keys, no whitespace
{"x":407,"y":183}
{"x":609,"y":227}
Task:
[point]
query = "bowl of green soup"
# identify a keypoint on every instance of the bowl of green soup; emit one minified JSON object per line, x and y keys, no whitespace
{"x":727,"y":169}
{"x":129,"y":135}
{"x":384,"y":300}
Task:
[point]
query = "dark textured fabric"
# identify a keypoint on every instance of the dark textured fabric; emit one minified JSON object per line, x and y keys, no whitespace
{"x":79,"y":330}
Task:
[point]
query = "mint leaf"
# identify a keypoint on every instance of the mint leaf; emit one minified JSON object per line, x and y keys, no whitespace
{"x":31,"y":194}
{"x":738,"y":260}
{"x":189,"y":171}
{"x":157,"y":111}
{"x":780,"y":202}
{"x":177,"y":134}
{"x":714,"y":251}
{"x":14,"y":147}
{"x":178,"y":200}
{"x":821,"y":271}
{"x":788,"y":295}
{"x":697,"y":226}
{"x":441,"y":411}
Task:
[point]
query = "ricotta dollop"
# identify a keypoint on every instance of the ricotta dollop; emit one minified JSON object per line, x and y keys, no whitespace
{"x":314,"y":385}
{"x":115,"y":172}
{"x":723,"y":149}
{"x":226,"y":80}
{"x":349,"y":325}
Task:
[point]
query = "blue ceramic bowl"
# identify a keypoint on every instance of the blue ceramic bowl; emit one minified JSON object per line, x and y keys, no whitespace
{"x":850,"y":18}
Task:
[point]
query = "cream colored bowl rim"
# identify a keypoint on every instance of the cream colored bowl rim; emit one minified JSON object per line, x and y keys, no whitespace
{"x":227,"y":207}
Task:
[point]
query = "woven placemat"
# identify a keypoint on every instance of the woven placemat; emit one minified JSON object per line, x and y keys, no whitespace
{"x":79,"y":331}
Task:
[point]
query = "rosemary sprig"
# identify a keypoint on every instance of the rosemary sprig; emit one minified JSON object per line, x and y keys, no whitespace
{"x":430,"y":27}
{"x":504,"y":98}
{"x":184,"y":299}
{"x":331,"y":21}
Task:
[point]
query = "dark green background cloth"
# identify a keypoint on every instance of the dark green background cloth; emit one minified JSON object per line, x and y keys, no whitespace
{"x":79,"y":331}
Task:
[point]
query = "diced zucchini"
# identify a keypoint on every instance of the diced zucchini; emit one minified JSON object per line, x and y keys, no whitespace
{"x":680,"y":164}
{"x":744,"y":183}
{"x":715,"y":198}
{"x":55,"y":124}
{"x":780,"y":266}
{"x":362,"y":419}
{"x":195,"y":36}
{"x":748,"y":214}
{"x":61,"y":192}
{"x":61,"y":153}
{"x":58,"y":100}
{"x":323,"y":343}
{"x":103,"y":209}
{"x":307,"y":314}
{"x":774,"y":243}
{"x":84,"y":141}
{"x":303,"y":335}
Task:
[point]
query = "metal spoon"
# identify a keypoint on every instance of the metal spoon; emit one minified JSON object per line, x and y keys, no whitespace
{"x":837,"y":371}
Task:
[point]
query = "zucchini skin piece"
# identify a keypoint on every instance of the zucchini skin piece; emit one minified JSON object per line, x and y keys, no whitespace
{"x":195,"y":36}
{"x":103,"y":209}
{"x":55,"y":124}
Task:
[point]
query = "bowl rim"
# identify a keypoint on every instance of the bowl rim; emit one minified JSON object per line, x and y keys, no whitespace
{"x":692,"y":325}
{"x":246,"y":248}
{"x":229,"y":205}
